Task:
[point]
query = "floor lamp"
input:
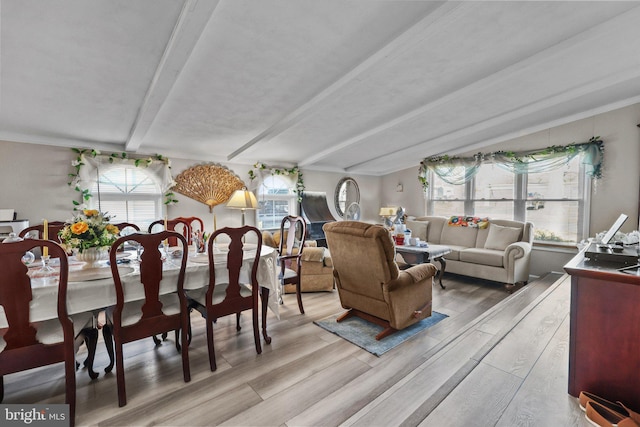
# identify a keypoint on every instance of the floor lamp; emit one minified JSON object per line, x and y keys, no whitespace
{"x":243,"y":200}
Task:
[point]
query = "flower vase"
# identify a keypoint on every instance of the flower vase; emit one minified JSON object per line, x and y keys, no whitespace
{"x":93,"y":257}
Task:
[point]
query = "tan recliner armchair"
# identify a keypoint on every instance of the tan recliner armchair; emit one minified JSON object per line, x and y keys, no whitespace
{"x":369,"y":282}
{"x":317,"y":266}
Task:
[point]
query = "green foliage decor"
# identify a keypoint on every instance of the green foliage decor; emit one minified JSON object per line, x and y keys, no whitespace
{"x":593,"y":150}
{"x":299,"y":190}
{"x":77,"y":164}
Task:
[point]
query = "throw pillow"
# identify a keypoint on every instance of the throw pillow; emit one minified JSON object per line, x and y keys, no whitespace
{"x":500,"y":237}
{"x":418,"y":229}
{"x":468,"y":221}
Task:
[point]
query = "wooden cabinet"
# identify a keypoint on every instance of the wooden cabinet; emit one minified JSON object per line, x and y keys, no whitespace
{"x":604,"y":352}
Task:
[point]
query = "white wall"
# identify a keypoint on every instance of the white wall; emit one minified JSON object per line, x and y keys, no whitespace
{"x":617,"y":192}
{"x":369,"y":187}
{"x":35,"y":180}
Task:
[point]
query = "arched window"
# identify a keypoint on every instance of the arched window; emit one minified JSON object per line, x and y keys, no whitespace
{"x":128,"y":194}
{"x":276,"y":199}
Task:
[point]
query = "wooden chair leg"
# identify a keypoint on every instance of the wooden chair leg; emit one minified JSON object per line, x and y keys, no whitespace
{"x":212,"y":353}
{"x":1,"y":388}
{"x":70,"y":385}
{"x":385,"y":333}
{"x":238,"y":327}
{"x":345,"y":315}
{"x":186,"y":370}
{"x":189,"y":333}
{"x":122,"y":392}
{"x":264,"y":297}
{"x":256,"y":329}
{"x":177,"y":335}
{"x":299,"y":295}
{"x":107,"y":334}
{"x":91,"y":341}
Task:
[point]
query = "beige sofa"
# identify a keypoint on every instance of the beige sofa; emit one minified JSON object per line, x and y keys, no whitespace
{"x":500,"y":252}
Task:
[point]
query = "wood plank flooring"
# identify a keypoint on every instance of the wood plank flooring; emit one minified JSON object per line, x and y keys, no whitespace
{"x":497,"y":360}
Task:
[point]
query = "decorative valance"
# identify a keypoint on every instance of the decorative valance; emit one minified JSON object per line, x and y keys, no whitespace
{"x":90,"y":163}
{"x":458,"y":170}
{"x":260,"y":170}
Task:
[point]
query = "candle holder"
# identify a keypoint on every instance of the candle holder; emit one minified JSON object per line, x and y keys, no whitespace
{"x":46,"y":274}
{"x":165,"y":248}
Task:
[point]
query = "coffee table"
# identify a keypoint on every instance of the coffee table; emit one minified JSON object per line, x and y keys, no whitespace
{"x":414,"y":255}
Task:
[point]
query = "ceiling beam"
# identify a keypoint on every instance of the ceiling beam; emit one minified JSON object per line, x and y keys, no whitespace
{"x":527,"y":110}
{"x":186,"y":33}
{"x":491,"y":79}
{"x":391,"y":49}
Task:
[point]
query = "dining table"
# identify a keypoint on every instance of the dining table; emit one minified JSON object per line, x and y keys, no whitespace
{"x":92,"y":289}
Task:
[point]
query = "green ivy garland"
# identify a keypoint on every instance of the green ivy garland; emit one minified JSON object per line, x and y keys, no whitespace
{"x":299,"y":190}
{"x":515,"y":157}
{"x":77,"y":164}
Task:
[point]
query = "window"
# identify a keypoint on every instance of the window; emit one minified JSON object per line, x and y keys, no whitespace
{"x":128,"y":194}
{"x":556,"y":201}
{"x":276,"y":199}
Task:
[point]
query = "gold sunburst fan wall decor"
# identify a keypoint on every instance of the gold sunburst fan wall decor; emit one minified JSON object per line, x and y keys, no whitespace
{"x":210,"y":184}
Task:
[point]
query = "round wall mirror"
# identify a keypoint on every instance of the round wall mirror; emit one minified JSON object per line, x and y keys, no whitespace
{"x":347,"y":192}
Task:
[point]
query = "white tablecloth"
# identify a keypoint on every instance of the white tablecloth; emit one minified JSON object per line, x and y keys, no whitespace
{"x":84,"y":296}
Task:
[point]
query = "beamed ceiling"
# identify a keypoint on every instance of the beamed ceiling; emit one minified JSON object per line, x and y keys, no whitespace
{"x":364,"y":87}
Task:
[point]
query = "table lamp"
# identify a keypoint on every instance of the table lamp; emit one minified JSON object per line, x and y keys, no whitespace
{"x":387,"y":213}
{"x":243,"y":200}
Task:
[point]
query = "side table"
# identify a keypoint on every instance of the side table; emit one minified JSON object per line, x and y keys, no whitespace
{"x":414,"y":255}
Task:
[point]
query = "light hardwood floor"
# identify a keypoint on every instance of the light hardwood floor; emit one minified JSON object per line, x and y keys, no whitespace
{"x":498,"y":359}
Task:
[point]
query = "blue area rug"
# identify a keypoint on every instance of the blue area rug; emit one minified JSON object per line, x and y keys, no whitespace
{"x":363,"y":333}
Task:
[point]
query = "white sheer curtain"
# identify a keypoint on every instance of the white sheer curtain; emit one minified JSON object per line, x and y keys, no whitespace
{"x":94,"y":166}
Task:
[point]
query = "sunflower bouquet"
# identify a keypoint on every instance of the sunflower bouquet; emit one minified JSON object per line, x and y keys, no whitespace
{"x":89,"y":229}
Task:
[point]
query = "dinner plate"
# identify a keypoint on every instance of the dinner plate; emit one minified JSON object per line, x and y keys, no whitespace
{"x":87,"y":274}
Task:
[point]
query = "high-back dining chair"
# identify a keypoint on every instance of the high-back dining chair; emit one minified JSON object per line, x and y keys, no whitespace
{"x":122,"y":225}
{"x":53,"y":228}
{"x":195,"y":223}
{"x":239,"y":293}
{"x":293,"y":231}
{"x":158,"y":311}
{"x":175,"y":224}
{"x":25,"y":344}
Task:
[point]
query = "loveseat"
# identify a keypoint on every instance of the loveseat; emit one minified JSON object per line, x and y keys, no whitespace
{"x":491,"y":249}
{"x":317,"y":266}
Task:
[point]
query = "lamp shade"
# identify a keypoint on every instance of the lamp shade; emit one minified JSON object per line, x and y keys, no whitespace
{"x":242,"y":199}
{"x":388,"y":211}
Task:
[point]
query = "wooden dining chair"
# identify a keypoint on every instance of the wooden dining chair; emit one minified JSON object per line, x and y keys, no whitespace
{"x":158,"y":312}
{"x":122,"y":225}
{"x":53,"y":228}
{"x":195,"y":223}
{"x":175,"y":224}
{"x":25,"y":344}
{"x":293,"y":232}
{"x":236,"y":295}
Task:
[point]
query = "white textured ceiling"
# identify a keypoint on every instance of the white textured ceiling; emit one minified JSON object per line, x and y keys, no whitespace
{"x":365,"y":87}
